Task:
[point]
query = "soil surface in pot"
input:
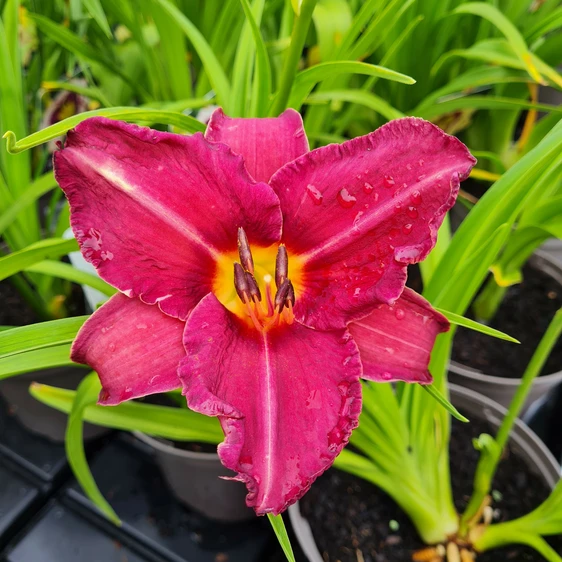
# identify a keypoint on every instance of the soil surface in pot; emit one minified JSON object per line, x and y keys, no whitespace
{"x":524,"y":314}
{"x":351,"y":519}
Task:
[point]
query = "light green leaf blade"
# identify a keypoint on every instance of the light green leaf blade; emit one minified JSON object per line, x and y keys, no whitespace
{"x":213,"y":68}
{"x":86,"y":394}
{"x":307,"y":79}
{"x":459,"y":320}
{"x":39,"y":336}
{"x":430,"y":389}
{"x":159,"y":421}
{"x":129,"y":114}
{"x":30,"y":195}
{"x":515,"y":39}
{"x":45,"y":249}
{"x":359,"y":97}
{"x":66,"y":271}
{"x":95,"y":9}
{"x":54,"y":356}
{"x":281,"y":533}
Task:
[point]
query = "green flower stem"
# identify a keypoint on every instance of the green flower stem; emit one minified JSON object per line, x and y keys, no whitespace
{"x":533,"y":369}
{"x":298,"y":37}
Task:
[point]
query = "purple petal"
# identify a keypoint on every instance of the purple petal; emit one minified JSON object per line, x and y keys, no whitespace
{"x":134,"y":348}
{"x":359,"y":212}
{"x":266,"y":144}
{"x":395,"y":341}
{"x":154,"y":211}
{"x":287,"y":400}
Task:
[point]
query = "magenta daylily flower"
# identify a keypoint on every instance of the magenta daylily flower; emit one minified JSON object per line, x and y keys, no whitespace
{"x":264,"y":279}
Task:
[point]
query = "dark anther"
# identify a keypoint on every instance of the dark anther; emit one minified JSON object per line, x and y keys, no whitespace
{"x":290,"y":298}
{"x":281,"y":295}
{"x":253,"y":286}
{"x":245,"y":252}
{"x":281,"y":266}
{"x":241,"y":282}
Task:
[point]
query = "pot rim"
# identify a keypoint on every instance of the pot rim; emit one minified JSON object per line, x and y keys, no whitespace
{"x":549,"y":265}
{"x":164,"y":447}
{"x":524,"y":437}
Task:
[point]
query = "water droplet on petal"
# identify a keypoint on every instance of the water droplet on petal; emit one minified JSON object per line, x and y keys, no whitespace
{"x":388,"y":181}
{"x":345,"y":199}
{"x":420,"y":178}
{"x":416,"y":197}
{"x":314,"y":194}
{"x":421,"y":162}
{"x":368,"y":188}
{"x":357,"y":219}
{"x":408,"y":166}
{"x":399,"y":313}
{"x":394,"y":232}
{"x":407,"y":228}
{"x":111,"y":347}
{"x":386,"y":376}
{"x":412,"y":212}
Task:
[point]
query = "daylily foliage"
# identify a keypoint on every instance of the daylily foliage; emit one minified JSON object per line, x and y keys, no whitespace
{"x":263,"y":278}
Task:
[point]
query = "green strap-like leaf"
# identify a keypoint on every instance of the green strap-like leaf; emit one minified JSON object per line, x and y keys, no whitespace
{"x":131,"y":114}
{"x":70,"y":273}
{"x":459,"y":320}
{"x":40,"y":335}
{"x":50,"y":248}
{"x":282,"y":536}
{"x":307,"y":79}
{"x":359,"y":97}
{"x":30,"y":195}
{"x":176,"y":424}
{"x":86,"y":395}
{"x":430,"y":389}
{"x":213,"y":68}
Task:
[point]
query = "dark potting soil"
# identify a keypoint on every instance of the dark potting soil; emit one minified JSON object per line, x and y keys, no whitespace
{"x":351,"y":519}
{"x":524,"y":314}
{"x":13,"y":309}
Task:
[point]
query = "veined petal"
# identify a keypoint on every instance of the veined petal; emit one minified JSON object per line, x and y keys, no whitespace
{"x":359,"y":212}
{"x":266,"y":144}
{"x":287,"y":400}
{"x":153,"y":211}
{"x":395,"y":342}
{"x":134,"y":348}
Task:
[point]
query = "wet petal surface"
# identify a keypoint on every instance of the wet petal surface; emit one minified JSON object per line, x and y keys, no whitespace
{"x":358,"y":213}
{"x":265,"y":144}
{"x":395,"y":342}
{"x":287,"y":400}
{"x":154,"y":211}
{"x":134,"y":348}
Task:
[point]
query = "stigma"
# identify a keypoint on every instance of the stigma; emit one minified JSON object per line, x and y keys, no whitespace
{"x":276,"y":307}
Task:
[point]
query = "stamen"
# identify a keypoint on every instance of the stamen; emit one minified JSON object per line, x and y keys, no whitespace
{"x":252,"y":315}
{"x":281,"y":295}
{"x":244,"y":251}
{"x":241,"y":282}
{"x":253,"y":286}
{"x":288,"y":313}
{"x":281,"y":266}
{"x":268,"y":297}
{"x":290,"y":295}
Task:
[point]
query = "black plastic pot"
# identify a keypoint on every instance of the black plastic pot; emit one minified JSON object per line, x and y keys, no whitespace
{"x":544,"y":417}
{"x":37,"y":417}
{"x":524,"y":442}
{"x":503,"y":389}
{"x":195,"y":479}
